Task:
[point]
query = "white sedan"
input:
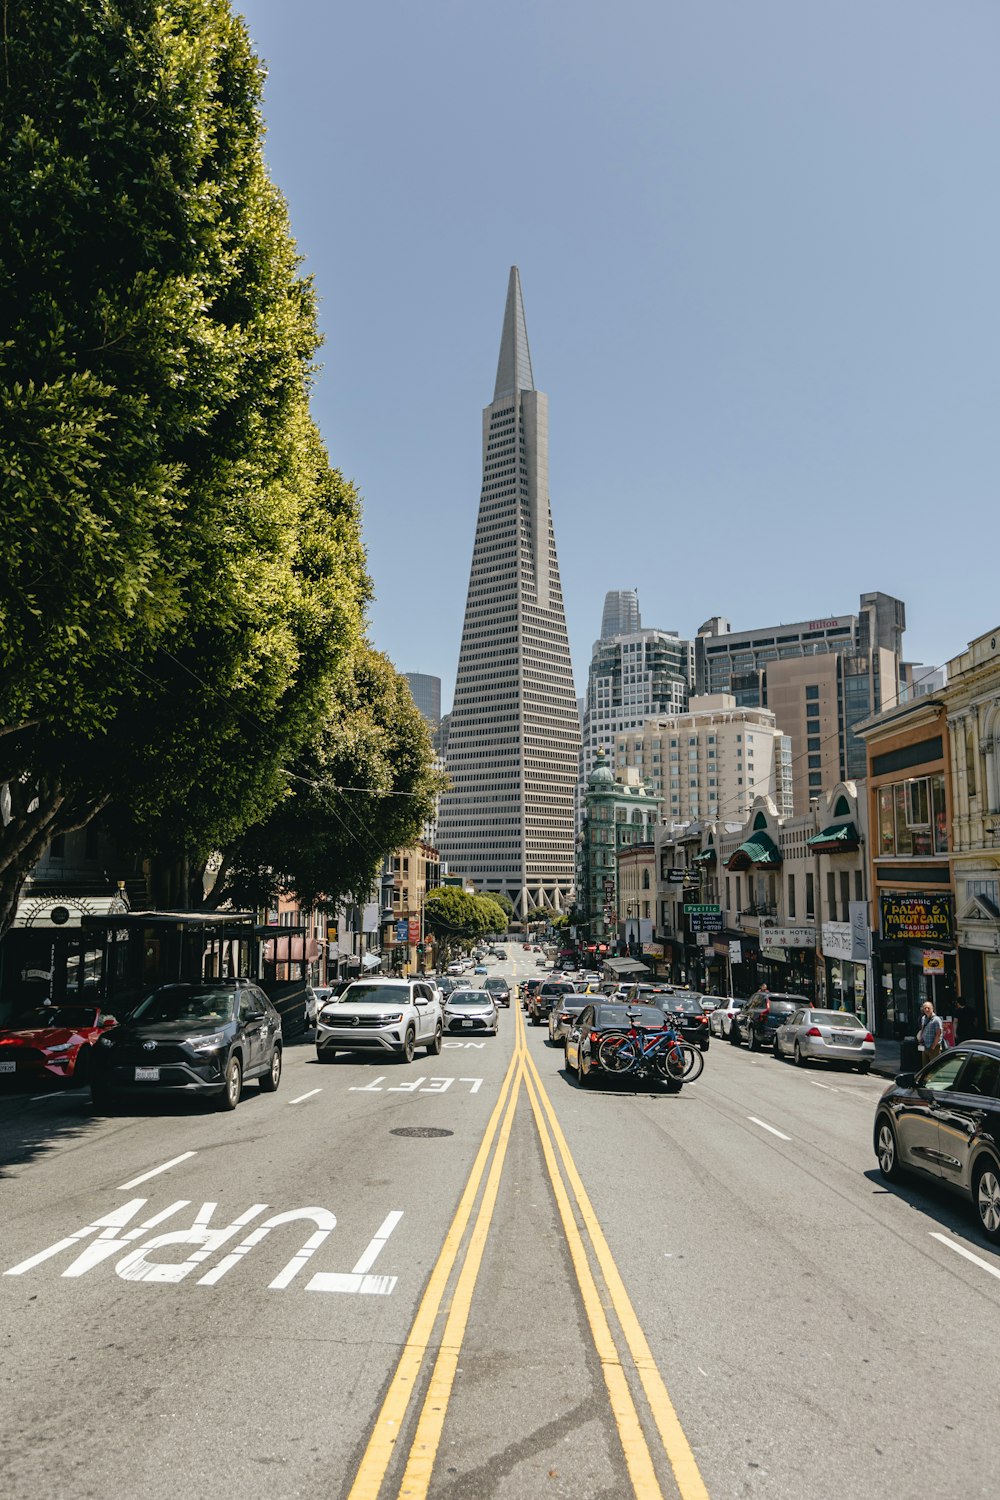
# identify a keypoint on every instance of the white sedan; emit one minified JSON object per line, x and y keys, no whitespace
{"x":826,"y":1036}
{"x":721,"y":1018}
{"x":470,"y":1011}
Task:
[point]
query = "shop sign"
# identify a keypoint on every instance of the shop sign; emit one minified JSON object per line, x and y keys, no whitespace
{"x":905,"y":915}
{"x":735,"y":952}
{"x":705,"y":921}
{"x":933,"y":963}
{"x":402,"y":930}
{"x":653,"y":950}
{"x":861,"y":934}
{"x":677,"y":876}
{"x":701,"y":938}
{"x":837,"y":940}
{"x":722,"y":948}
{"x":789,"y":937}
{"x":775,"y":955}
{"x":414,"y":930}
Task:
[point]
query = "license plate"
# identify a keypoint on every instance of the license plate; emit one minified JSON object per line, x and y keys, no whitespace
{"x":147,"y":1075}
{"x":468,"y":1023}
{"x":846,"y":1036}
{"x":8,"y":1067}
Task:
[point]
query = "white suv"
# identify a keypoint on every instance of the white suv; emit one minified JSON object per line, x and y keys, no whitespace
{"x":381,"y":1015}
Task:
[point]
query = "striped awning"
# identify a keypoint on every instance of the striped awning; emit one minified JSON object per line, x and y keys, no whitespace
{"x":759,"y":850}
{"x":838,"y":836}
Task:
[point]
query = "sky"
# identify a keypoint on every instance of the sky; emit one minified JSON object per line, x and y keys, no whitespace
{"x":759,"y":244}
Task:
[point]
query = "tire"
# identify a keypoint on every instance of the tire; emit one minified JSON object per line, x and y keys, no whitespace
{"x":408,"y":1050}
{"x":582,"y":1078}
{"x":864,"y":1068}
{"x":887,"y":1149}
{"x":734,"y":1036}
{"x":753,"y":1041}
{"x":672,"y":1064}
{"x":617,"y":1054}
{"x":800,"y":1061}
{"x":269,"y":1081}
{"x":327,"y":1055}
{"x":703,"y":1046}
{"x":433,"y":1048}
{"x":230,"y":1096}
{"x":986,"y":1197}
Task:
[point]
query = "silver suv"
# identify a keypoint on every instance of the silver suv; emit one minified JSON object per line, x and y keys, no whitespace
{"x":381,"y":1015}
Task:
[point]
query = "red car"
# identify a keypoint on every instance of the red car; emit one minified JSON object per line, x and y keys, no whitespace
{"x":53,"y":1041}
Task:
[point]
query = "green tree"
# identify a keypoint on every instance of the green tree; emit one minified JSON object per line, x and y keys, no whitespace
{"x":182,"y":573}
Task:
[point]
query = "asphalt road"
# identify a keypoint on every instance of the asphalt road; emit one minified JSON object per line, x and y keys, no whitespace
{"x":471,"y":1278}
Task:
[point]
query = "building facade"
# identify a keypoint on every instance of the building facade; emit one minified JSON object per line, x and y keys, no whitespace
{"x":821,"y":678}
{"x":426,"y":692}
{"x":632,"y":677}
{"x":710,"y":762}
{"x":618,"y":815}
{"x":514,"y":732}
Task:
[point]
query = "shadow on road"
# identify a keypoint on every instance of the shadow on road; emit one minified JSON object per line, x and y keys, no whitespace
{"x":32,"y":1126}
{"x":621,"y":1088}
{"x":934,"y":1201}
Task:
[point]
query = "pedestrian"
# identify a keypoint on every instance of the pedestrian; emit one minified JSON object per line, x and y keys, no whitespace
{"x":929,"y":1032}
{"x":965,"y":1020}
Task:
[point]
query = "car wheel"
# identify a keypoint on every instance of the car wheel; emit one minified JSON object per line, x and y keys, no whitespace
{"x":887,"y":1149}
{"x":409,"y":1046}
{"x":734,"y":1037}
{"x":230,"y":1096}
{"x":325,"y":1054}
{"x":986,"y":1196}
{"x":703,"y":1046}
{"x":269,"y":1081}
{"x":434,"y":1047}
{"x":864,"y":1068}
{"x":582,"y":1078}
{"x":753,"y":1041}
{"x":800,"y":1061}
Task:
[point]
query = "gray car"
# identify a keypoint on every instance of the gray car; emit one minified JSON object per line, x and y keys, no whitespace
{"x":471,"y":1011}
{"x":563,"y":1015}
{"x":825,"y":1036}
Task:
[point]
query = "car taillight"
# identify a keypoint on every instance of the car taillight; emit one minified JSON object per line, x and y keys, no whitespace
{"x":564,"y":1015}
{"x":701,"y":1019}
{"x":814,"y":1031}
{"x":595,"y":1037}
{"x":868,"y":1037}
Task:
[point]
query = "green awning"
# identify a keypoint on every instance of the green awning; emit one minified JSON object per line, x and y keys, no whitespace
{"x":706,"y":857}
{"x":837,"y":836}
{"x":759,"y":849}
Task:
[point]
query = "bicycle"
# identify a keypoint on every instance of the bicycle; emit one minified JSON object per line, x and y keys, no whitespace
{"x":665,"y":1052}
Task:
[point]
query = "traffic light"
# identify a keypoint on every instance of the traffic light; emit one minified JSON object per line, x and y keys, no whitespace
{"x":420,"y":949}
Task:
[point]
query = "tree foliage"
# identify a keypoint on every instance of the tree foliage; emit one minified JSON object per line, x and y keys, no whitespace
{"x":457,"y":917}
{"x":183,"y":582}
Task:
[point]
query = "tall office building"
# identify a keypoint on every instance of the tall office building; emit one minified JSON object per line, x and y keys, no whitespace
{"x":621,"y":613}
{"x":514,"y":735}
{"x":820,"y":678}
{"x":426,"y":692}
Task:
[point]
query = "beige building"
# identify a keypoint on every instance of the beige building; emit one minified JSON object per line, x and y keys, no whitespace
{"x":636,"y":893}
{"x":415,"y":871}
{"x":710,"y":762}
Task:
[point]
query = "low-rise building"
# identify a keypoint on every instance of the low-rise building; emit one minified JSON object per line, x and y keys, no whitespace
{"x":616,"y":815}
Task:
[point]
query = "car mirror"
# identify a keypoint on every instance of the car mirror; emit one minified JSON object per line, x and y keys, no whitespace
{"x":905,"y":1080}
{"x":420,"y":999}
{"x":254,"y":1015}
{"x":109,"y":1021}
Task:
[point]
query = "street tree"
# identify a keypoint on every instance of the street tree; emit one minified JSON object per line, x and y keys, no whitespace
{"x":182,"y":572}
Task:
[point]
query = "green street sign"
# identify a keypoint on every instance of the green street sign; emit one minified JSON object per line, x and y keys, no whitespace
{"x":696,"y":909}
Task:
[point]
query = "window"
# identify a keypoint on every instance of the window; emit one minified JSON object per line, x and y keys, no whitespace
{"x":812,"y":691}
{"x":791,"y":896}
{"x":57,"y":848}
{"x":831,"y":895}
{"x":912,"y":817}
{"x":815,"y":780}
{"x":813,"y":743}
{"x":645,"y":882}
{"x":810,"y":896}
{"x":815,"y":762}
{"x":845,"y":893}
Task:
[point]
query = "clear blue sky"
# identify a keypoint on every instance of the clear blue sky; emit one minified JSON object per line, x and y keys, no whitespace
{"x":759,"y":245}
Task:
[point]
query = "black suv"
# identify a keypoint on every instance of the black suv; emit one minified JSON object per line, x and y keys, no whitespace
{"x":205,"y":1037}
{"x":760,"y":1018}
{"x":541,"y":1000}
{"x":498,"y":987}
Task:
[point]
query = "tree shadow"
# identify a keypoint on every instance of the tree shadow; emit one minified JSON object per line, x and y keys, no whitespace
{"x":30,"y":1127}
{"x":951,"y":1210}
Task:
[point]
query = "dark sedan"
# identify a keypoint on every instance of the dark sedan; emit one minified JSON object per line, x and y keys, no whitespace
{"x":689,"y":1016}
{"x":563,"y":1016}
{"x":944,"y":1123}
{"x":200,"y":1038}
{"x":595,"y":1021}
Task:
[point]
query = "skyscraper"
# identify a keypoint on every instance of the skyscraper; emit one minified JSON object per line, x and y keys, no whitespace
{"x":514,"y":736}
{"x":426,"y":692}
{"x":621,"y":613}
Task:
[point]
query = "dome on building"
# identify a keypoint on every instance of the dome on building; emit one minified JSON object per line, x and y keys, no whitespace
{"x":602,"y":774}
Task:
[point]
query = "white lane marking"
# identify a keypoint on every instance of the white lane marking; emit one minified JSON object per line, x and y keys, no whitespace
{"x":359,"y":1280}
{"x":477,"y":1084}
{"x":305,"y":1096}
{"x":961,"y":1250}
{"x":828,"y":1086}
{"x":765,"y":1126}
{"x":174,"y":1162}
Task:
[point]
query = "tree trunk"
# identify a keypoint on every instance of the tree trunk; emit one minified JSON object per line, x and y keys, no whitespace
{"x":37,"y":813}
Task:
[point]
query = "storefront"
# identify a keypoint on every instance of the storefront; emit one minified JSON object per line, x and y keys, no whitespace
{"x":788,"y":961}
{"x":916,"y":958}
{"x":845,"y":978}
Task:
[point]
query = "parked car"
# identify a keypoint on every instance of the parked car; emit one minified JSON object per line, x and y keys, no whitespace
{"x":720,"y":1020}
{"x":541,"y":1000}
{"x":760,"y":1018}
{"x":499,"y":988}
{"x":944,"y":1123}
{"x":562,"y":1017}
{"x":471,"y":1011}
{"x":595,"y":1020}
{"x":689,"y":1016}
{"x":395,"y":1016}
{"x":53,"y":1041}
{"x":205,"y":1037}
{"x":826,"y":1036}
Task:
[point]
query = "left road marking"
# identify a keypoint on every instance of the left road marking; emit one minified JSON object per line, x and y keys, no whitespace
{"x":765,"y":1126}
{"x":961,"y":1250}
{"x":174,"y":1162}
{"x":305,"y":1096}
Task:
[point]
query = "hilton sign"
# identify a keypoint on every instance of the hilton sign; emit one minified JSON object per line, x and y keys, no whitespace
{"x":823,"y":624}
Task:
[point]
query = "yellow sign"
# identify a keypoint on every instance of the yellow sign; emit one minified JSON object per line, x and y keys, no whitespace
{"x":933,"y":963}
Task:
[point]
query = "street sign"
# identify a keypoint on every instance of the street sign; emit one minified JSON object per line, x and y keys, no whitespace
{"x":735,"y":952}
{"x":933,"y":963}
{"x":705,"y":921}
{"x":402,"y":930}
{"x":693,"y":908}
{"x":677,"y":876}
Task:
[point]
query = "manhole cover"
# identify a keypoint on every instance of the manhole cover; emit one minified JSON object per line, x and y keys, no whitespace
{"x":422,"y":1132}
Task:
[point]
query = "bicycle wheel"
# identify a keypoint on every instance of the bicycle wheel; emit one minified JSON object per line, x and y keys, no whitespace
{"x":617,"y":1054}
{"x":680,"y":1062}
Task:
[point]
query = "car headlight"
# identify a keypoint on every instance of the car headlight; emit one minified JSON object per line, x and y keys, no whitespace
{"x":59,"y":1047}
{"x":389,"y":1020}
{"x":328,"y":1014}
{"x":208,"y":1042}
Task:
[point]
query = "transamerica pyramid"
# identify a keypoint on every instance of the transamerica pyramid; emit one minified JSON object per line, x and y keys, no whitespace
{"x":514,"y":738}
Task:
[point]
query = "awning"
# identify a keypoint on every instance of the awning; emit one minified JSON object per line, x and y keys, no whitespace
{"x":62,"y":909}
{"x":706,"y":857}
{"x":626,"y":966}
{"x":838,"y":836}
{"x":760,"y":850}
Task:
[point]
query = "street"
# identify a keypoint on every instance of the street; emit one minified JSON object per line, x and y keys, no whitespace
{"x":470,"y":1277}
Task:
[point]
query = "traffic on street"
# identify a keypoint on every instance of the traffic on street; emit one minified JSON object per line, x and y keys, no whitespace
{"x":473,"y":1273}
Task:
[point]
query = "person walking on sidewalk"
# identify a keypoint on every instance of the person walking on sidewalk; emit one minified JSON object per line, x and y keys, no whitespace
{"x":929,"y":1033}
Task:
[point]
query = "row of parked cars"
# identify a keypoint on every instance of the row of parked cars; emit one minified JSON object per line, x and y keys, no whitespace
{"x":792,"y":1029}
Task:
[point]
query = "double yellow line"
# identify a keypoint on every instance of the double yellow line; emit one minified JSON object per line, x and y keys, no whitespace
{"x":424,"y":1446}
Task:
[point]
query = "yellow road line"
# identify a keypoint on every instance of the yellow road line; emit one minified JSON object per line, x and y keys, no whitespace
{"x":633,"y":1440}
{"x":377,"y":1455}
{"x":672,"y":1435}
{"x":423,"y":1451}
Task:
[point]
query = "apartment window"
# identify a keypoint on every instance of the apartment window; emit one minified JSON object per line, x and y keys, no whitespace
{"x":810,"y":896}
{"x":727,"y":891}
{"x":645,"y":908}
{"x":845,"y":893}
{"x":831,"y":895}
{"x":57,"y":848}
{"x":815,"y":781}
{"x":812,"y":691}
{"x":813,"y":743}
{"x":739,"y":894}
{"x":815,"y":762}
{"x":664,"y":916}
{"x":791,"y":897}
{"x":912,"y":817}
{"x":812,"y":711}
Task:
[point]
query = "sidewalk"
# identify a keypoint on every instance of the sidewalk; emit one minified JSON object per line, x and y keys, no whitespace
{"x":886,"y":1057}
